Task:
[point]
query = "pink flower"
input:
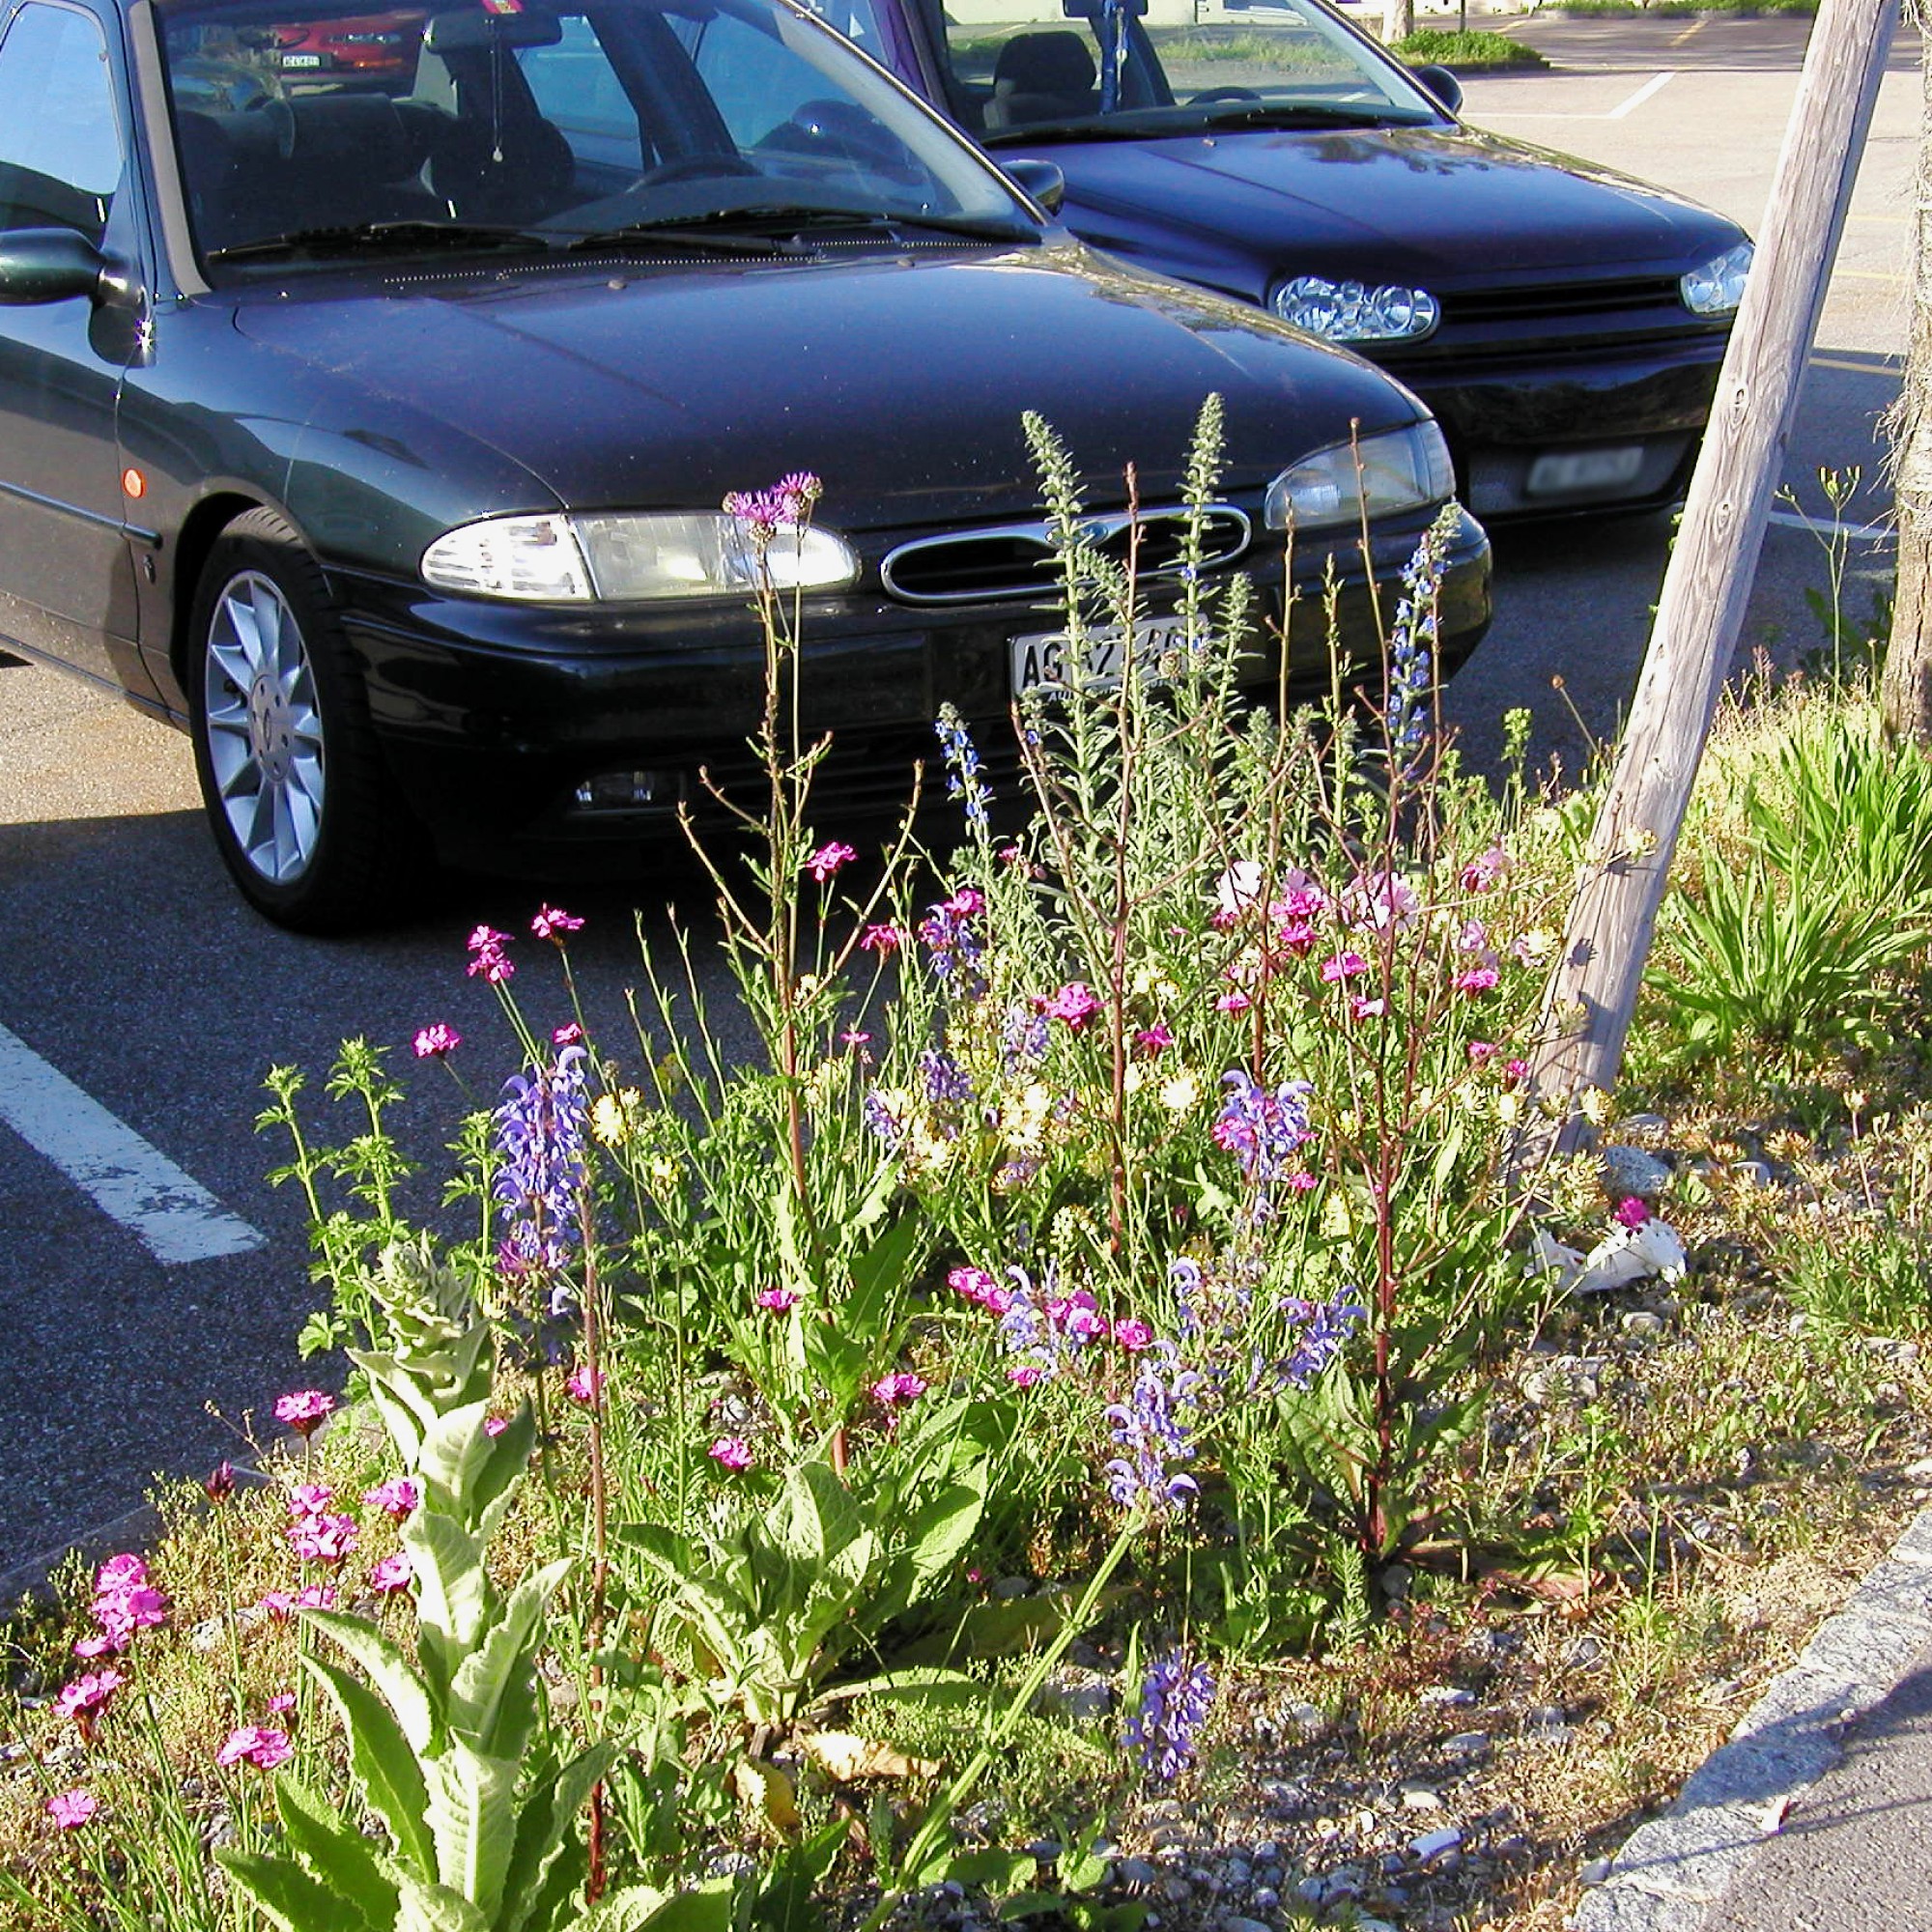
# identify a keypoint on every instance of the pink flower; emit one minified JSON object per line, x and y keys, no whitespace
{"x":86,"y":1697}
{"x":1075,"y":1003}
{"x":220,"y":1481}
{"x":324,"y":1539}
{"x":1378,"y":900}
{"x":1367,"y":1009}
{"x":99,"y":1644}
{"x":1154,"y":1041}
{"x":550,"y":923}
{"x":396,"y":1497}
{"x":282,"y":1700}
{"x":733,"y":1453}
{"x":777,"y":1299}
{"x":1025,"y":1375}
{"x":1474,"y":936}
{"x":854,"y":1036}
{"x":433,"y":1042}
{"x":72,"y":1810}
{"x":1485,"y":872}
{"x":256,"y":1745}
{"x":1344,"y":966}
{"x":829,"y":859}
{"x":1482,"y":1052}
{"x":973,"y":1283}
{"x":495,"y":1425}
{"x":1630,"y":1212}
{"x":1132,"y":1336}
{"x":968,"y":903}
{"x":569,"y":1034}
{"x":391,"y":1575}
{"x":586,"y":1384}
{"x":1302,"y":1182}
{"x":488,"y":958}
{"x":125,"y":1572}
{"x":1236,"y":1002}
{"x":881,"y":939}
{"x":305,"y":1411}
{"x":895,"y":1390}
{"x":1010,"y":856}
{"x":310,"y":1498}
{"x":280,"y":1602}
{"x":1477,"y":980}
{"x":1516,"y":1072}
{"x":123,"y":1612}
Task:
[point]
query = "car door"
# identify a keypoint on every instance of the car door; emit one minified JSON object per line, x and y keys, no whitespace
{"x":67,"y":575}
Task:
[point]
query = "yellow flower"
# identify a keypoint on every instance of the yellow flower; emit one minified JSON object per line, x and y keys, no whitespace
{"x":1593,"y":1104}
{"x":613,"y":1117}
{"x":1182,"y":1094}
{"x":1509,"y":1108}
{"x":1535,"y":945}
{"x":660,"y":1171}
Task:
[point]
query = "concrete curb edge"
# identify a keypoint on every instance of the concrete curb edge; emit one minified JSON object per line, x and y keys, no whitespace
{"x":1670,"y":1872}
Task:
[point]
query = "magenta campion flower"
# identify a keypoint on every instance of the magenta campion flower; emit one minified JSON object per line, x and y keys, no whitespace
{"x":86,"y":1697}
{"x":895,"y":1390}
{"x":305,"y":1411}
{"x":487,"y":959}
{"x":495,"y":1425}
{"x":1477,"y":980}
{"x":1367,"y":1009}
{"x":396,"y":1497}
{"x":776,"y":1300}
{"x":256,"y":1745}
{"x":1076,"y":1003}
{"x":279,"y":1604}
{"x":1344,"y":966}
{"x":569,"y":1034}
{"x":586,"y":1384}
{"x":1487,"y":871}
{"x":1630,"y":1212}
{"x":391,"y":1575}
{"x":220,"y":1481}
{"x":1024,"y":1375}
{"x":282,"y":1700}
{"x":829,"y":859}
{"x":125,"y":1572}
{"x":881,"y":939}
{"x":1132,"y":1336}
{"x":1154,"y":1041}
{"x":309,"y":1498}
{"x":1236,"y":1002}
{"x":324,"y":1539}
{"x":72,"y":1810}
{"x":731,"y":1452}
{"x":434,"y":1043}
{"x":1482,"y":1052}
{"x":552,"y":924}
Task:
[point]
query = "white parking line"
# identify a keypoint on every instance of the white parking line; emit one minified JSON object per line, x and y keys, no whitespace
{"x":130,"y":1181}
{"x":1824,"y":526}
{"x":1653,"y":85}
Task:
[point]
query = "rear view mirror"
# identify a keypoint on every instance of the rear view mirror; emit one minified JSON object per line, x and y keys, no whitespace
{"x":1042,"y":181}
{"x":477,"y":32}
{"x":1092,"y":9}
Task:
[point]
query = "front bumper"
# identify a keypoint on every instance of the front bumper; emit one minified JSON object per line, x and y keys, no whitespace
{"x":493,"y":716}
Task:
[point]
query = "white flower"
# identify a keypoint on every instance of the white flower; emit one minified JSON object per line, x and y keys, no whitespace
{"x":1238,"y":887}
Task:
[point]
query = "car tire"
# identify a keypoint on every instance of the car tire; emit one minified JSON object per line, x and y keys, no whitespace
{"x":302,"y":808}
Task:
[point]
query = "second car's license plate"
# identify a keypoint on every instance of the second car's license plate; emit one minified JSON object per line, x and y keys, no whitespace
{"x":1041,"y":661}
{"x":1562,"y":471}
{"x":302,"y":60}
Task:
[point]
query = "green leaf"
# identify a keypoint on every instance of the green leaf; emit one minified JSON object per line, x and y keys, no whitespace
{"x":455,"y":1450}
{"x":493,"y":1695}
{"x":471,"y":1814}
{"x":338,"y":1855}
{"x":788,"y":1899}
{"x":990,"y":1870}
{"x":942,"y":1528}
{"x":431,"y":1907}
{"x":1026,"y":1904}
{"x":549,"y":1809}
{"x":386,"y":1667}
{"x":453,"y":1587}
{"x":705,"y":1909}
{"x":379,"y":1756}
{"x":286,"y":1895}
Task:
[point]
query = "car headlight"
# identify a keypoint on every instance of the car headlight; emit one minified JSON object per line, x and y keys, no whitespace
{"x":1354,"y":312}
{"x":1718,"y":286}
{"x":1376,"y":476}
{"x":559,"y":559}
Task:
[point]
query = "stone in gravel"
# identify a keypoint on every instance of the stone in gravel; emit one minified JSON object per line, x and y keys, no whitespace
{"x":1313,"y":1889}
{"x":1266,"y":1898}
{"x":1434,"y":1844}
{"x":1584,"y":1653}
{"x":1169,"y":1837}
{"x":1644,"y":1124}
{"x":1892,"y":1349}
{"x":1419,"y":1798}
{"x":1176,"y":1891}
{"x":1467,"y":1744}
{"x":1595,"y":1873}
{"x":1754,"y":1173}
{"x":1084,"y":1696}
{"x":1235,"y":1923}
{"x":1012,"y":1586}
{"x":1137,"y":1872}
{"x":1312,"y":1718}
{"x":1448,"y":1693}
{"x":1395,"y":1580}
{"x":1630,"y":1170}
{"x":1236,"y":1871}
{"x":1642,"y":1323}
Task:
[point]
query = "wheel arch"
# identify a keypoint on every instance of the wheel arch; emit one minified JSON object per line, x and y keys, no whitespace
{"x":200,"y":531}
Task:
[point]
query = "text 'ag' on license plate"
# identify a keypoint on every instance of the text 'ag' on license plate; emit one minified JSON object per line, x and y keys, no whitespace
{"x":1041,"y":661}
{"x":1569,"y":472}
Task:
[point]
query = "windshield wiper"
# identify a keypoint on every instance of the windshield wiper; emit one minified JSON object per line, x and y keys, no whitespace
{"x":766,"y":221}
{"x":1301,"y":114}
{"x":413,"y":233}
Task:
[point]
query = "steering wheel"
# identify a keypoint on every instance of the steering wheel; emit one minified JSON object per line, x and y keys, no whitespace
{"x":1214,"y":94}
{"x":694,"y":167}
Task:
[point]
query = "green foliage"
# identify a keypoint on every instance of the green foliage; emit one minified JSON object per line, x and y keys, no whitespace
{"x":1470,"y":50}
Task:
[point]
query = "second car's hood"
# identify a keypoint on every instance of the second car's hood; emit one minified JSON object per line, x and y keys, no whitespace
{"x":1443,"y":206}
{"x":901,"y":379}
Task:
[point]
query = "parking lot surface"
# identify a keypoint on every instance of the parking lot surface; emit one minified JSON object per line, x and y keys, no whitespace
{"x":130,"y":969}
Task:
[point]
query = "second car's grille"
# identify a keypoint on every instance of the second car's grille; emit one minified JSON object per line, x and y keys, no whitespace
{"x":1561,"y":299}
{"x":1018,"y":559}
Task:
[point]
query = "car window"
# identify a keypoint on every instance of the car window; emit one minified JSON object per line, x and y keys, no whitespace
{"x":540,"y":123}
{"x":60,"y":143}
{"x":1015,"y":65}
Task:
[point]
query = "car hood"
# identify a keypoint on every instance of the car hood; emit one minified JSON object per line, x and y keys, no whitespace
{"x":1446,"y":206}
{"x":901,"y":379}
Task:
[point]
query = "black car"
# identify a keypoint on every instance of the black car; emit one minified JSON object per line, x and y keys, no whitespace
{"x":379,"y":439}
{"x":1564,"y":322}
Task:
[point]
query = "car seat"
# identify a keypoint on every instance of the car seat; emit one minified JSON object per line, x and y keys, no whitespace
{"x":1048,"y":76}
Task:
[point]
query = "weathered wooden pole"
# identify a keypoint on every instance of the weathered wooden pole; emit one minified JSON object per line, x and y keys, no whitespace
{"x":1594,"y":987}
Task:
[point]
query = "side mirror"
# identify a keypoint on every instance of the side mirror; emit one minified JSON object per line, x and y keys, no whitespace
{"x":1441,"y":83}
{"x":1042,"y":181}
{"x":49,"y":265}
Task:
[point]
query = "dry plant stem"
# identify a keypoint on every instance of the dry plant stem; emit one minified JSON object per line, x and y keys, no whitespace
{"x":1116,"y":965}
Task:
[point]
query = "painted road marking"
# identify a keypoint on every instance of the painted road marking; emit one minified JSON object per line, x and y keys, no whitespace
{"x":133,"y":1184}
{"x":1653,"y":85}
{"x":1696,"y":26}
{"x":1824,"y":526}
{"x":1876,"y":366}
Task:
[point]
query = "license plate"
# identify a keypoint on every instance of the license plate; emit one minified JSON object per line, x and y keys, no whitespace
{"x":302,"y":60}
{"x":1562,"y":474}
{"x":1040,"y":660}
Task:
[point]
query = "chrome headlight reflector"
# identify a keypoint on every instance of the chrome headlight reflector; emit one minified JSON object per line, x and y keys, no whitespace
{"x":1354,"y":312}
{"x":1717,"y":287}
{"x":650,"y":557}
{"x":1400,"y":470}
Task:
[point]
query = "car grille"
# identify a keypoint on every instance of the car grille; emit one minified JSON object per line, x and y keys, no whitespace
{"x":1605,"y":298}
{"x":1019,"y":559}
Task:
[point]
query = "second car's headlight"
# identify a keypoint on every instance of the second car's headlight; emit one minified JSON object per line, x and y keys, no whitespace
{"x":1378,"y":476}
{"x":1717,"y":287}
{"x":644,"y":557}
{"x":1354,"y":312}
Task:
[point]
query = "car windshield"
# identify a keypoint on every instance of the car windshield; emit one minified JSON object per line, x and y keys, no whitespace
{"x":1022,"y":69}
{"x":306,"y":134}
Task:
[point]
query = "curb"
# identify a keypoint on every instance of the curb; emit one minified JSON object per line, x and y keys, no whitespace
{"x":1669,"y":1873}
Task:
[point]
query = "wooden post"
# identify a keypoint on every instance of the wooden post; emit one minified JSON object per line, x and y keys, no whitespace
{"x":1594,"y":987}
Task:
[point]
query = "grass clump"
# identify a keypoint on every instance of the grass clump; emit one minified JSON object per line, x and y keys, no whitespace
{"x":1466,"y":50}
